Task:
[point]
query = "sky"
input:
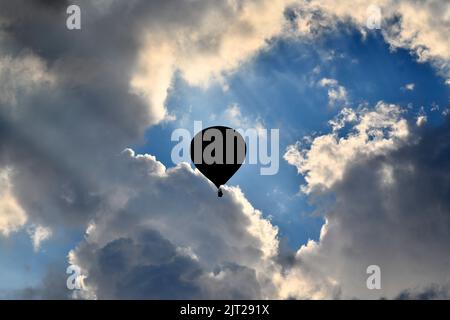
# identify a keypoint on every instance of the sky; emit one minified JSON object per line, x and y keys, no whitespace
{"x":87,"y":178}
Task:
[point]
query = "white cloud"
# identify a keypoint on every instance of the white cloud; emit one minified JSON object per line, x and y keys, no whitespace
{"x":12,"y":215}
{"x":409,"y":87}
{"x":234,"y":116}
{"x":336,"y":92}
{"x":421,"y":120}
{"x":224,"y":247}
{"x":375,"y":132}
{"x":222,"y":36}
{"x":38,"y":234}
{"x":446,"y":112}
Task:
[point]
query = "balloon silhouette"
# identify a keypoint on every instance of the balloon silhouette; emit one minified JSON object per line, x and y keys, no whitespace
{"x":218,"y":152}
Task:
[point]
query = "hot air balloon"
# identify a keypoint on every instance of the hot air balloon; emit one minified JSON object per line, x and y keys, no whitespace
{"x":218,"y":152}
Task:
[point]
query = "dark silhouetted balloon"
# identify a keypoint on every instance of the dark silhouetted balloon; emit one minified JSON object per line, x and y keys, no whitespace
{"x":218,"y":152}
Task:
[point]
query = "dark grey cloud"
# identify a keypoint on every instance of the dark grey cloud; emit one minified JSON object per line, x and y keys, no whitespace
{"x":52,"y":286}
{"x":390,"y":209}
{"x":148,"y":267}
{"x":145,"y":245}
{"x":151,"y":268}
{"x":431,"y":292}
{"x":61,"y":138}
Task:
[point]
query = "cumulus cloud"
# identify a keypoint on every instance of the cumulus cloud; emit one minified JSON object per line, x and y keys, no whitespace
{"x":374,"y":133}
{"x":199,"y":246}
{"x":390,"y":207}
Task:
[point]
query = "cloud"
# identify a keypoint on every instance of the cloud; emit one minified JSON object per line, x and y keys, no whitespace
{"x":374,"y":133}
{"x":199,"y":246}
{"x":336,"y":92}
{"x":71,"y":103}
{"x":233,"y":114}
{"x":389,"y":207}
{"x":409,"y":87}
{"x":431,"y":292}
{"x":38,"y":234}
{"x":202,"y":41}
{"x":67,"y":101}
{"x":12,"y":215}
{"x":66,"y":109}
{"x":235,"y":118}
{"x":21,"y":75}
{"x":420,"y":26}
{"x":421,"y":120}
{"x":52,"y":286}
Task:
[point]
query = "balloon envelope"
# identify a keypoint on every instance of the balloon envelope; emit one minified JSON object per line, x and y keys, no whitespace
{"x":218,"y":152}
